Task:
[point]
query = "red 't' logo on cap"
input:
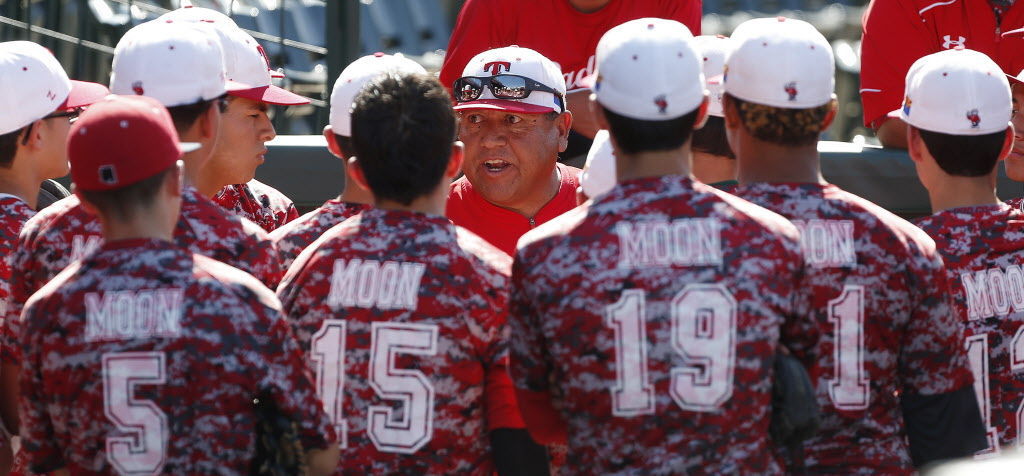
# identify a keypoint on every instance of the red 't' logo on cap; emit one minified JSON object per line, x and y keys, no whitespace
{"x":495,"y":67}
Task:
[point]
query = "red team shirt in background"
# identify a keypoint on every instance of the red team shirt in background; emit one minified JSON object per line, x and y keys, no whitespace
{"x":402,"y":315}
{"x":145,"y":357}
{"x":899,"y":32}
{"x":650,"y":318}
{"x":260,"y":203}
{"x":295,"y":236}
{"x":552,"y":27}
{"x":877,"y":290}
{"x":983,"y":248}
{"x":65,"y":232}
{"x":502,"y":227}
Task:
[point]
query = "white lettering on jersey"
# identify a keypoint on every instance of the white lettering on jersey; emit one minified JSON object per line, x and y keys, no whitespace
{"x":827,"y":243}
{"x":372,"y":284}
{"x":573,"y":78}
{"x":82,"y":246}
{"x":123,"y":315}
{"x":687,"y":241}
{"x":993,"y":292}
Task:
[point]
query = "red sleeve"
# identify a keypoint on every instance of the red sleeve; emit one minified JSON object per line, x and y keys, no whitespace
{"x":474,"y":32}
{"x":688,"y":13}
{"x":542,"y":420}
{"x":894,"y":37}
{"x":502,"y":409}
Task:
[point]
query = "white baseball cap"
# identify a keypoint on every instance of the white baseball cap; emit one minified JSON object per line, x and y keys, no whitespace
{"x":714,"y":49}
{"x":358,"y":74}
{"x":518,"y":61}
{"x":780,"y":62}
{"x":599,"y":171}
{"x":192,"y":14}
{"x":648,"y":69}
{"x":174,"y":63}
{"x":960,"y":92}
{"x":33,"y":84}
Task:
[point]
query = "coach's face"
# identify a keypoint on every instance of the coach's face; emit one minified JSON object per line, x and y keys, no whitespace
{"x":1015,"y":161}
{"x":510,"y":156}
{"x":244,"y":128}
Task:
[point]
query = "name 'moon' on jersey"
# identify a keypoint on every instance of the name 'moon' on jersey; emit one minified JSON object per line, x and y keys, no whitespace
{"x":403,"y":318}
{"x":144,"y":358}
{"x":651,"y":319}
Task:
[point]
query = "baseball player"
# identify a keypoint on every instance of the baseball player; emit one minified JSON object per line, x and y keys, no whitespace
{"x":1015,"y":160}
{"x":403,"y":313}
{"x":958,"y":102}
{"x":294,"y":237}
{"x":38,"y":104}
{"x":245,"y":126}
{"x":889,"y":364}
{"x":144,"y":357}
{"x":713,"y":160}
{"x":645,"y":322}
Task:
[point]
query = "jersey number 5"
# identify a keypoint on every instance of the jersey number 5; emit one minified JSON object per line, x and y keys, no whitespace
{"x":144,"y":449}
{"x":703,"y":333}
{"x":414,"y":428}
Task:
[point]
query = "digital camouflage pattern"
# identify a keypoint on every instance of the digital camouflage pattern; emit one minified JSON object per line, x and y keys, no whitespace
{"x":65,"y":232}
{"x":173,"y":346}
{"x":983,"y":248}
{"x":421,"y":304}
{"x":878,"y":292}
{"x":14,"y":212}
{"x":294,"y":237}
{"x":651,"y":315}
{"x":262,"y":204}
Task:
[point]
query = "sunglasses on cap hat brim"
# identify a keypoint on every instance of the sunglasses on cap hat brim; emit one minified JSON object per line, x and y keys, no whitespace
{"x":269,"y":94}
{"x":508,"y":90}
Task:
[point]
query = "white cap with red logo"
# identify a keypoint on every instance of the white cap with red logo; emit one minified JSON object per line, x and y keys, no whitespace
{"x":959,"y":92}
{"x":174,"y":63}
{"x":714,"y":49}
{"x":780,"y":62}
{"x":33,"y":84}
{"x":518,"y":61}
{"x":357,"y":75}
{"x":648,"y":69}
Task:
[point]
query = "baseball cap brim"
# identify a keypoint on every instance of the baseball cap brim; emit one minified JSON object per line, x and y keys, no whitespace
{"x":84,"y":93}
{"x":271,"y":95}
{"x":505,"y":105}
{"x":1015,"y":79}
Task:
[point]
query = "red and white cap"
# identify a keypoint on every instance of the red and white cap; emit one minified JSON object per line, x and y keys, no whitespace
{"x":122,"y":140}
{"x":714,"y":49}
{"x":599,"y":172}
{"x":648,"y":69}
{"x":780,"y":62}
{"x":521,"y":62}
{"x":33,"y":85}
{"x":210,"y":17}
{"x":959,"y":92}
{"x":174,"y":63}
{"x":247,"y":64}
{"x":358,"y":74}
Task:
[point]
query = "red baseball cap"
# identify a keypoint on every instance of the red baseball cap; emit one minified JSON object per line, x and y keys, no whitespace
{"x":122,"y":140}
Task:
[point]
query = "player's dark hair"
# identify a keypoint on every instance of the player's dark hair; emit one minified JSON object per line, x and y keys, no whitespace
{"x":185,"y":115}
{"x":345,"y":143}
{"x":965,"y":156}
{"x":782,"y":126}
{"x":122,"y":204}
{"x":711,"y":139}
{"x":9,"y":147}
{"x":403,"y":128}
{"x":635,"y":135}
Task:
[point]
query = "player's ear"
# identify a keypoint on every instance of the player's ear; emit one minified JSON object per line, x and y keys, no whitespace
{"x":702,"y":114}
{"x":915,"y":147}
{"x":356,"y":173}
{"x":332,"y":142}
{"x":833,"y":108}
{"x":455,"y":161}
{"x":1007,"y":142}
{"x":730,"y":114}
{"x":174,"y":180}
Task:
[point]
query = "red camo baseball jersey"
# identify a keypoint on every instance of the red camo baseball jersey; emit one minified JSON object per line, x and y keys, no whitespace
{"x":898,"y":32}
{"x":553,"y":28}
{"x":295,"y":236}
{"x":650,"y":316}
{"x":65,"y":232}
{"x":877,"y":289}
{"x":14,"y":212}
{"x":145,"y":358}
{"x":262,"y":204}
{"x":403,"y":318}
{"x":1017,"y":203}
{"x":983,"y":248}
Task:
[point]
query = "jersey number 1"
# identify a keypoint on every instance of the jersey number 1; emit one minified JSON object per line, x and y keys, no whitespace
{"x":978,"y":354}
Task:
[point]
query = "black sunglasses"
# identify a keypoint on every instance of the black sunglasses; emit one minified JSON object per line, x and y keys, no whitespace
{"x":502,"y":86}
{"x":71,"y":114}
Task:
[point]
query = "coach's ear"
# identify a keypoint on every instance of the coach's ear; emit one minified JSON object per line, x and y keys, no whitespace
{"x":455,"y":161}
{"x":356,"y":173}
{"x":332,"y":142}
{"x":1007,"y":142}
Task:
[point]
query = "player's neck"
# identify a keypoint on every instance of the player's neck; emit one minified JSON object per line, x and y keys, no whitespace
{"x":948,"y":192}
{"x":432,"y":203}
{"x":355,"y":194}
{"x":710,"y":168}
{"x":143,"y":225}
{"x":772,"y":163}
{"x":21,"y":181}
{"x":653,"y":164}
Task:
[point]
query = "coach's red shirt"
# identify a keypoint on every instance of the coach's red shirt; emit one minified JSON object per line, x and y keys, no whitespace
{"x":502,"y":227}
{"x":898,"y":32}
{"x":552,"y":27}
